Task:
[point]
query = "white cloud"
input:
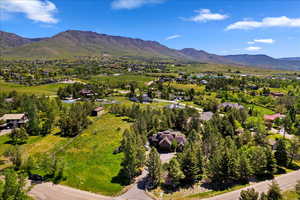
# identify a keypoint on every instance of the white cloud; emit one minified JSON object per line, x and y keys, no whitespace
{"x":131,"y":4}
{"x":265,"y":41}
{"x":205,"y":15}
{"x":36,"y":10}
{"x":173,"y":37}
{"x":252,"y":48}
{"x":266,"y":22}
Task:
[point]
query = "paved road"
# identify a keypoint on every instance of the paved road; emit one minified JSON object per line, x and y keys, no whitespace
{"x":286,"y":182}
{"x":137,"y":191}
{"x":49,"y":191}
{"x":5,"y":132}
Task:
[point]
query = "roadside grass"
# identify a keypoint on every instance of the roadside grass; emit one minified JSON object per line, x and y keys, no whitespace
{"x":47,"y":89}
{"x":290,"y":195}
{"x":214,"y":193}
{"x":89,"y":160}
{"x":186,"y":194}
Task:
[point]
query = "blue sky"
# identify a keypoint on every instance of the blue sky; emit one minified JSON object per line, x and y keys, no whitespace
{"x":218,"y":26}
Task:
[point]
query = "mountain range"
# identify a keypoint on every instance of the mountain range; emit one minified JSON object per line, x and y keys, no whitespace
{"x":81,"y":43}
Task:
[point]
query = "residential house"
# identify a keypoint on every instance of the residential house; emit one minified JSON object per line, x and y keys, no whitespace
{"x":86,"y":92}
{"x":206,"y":116}
{"x":98,"y":111}
{"x":14,"y":120}
{"x":276,"y":94}
{"x":227,"y":105}
{"x":269,"y":119}
{"x":175,"y":106}
{"x":166,"y":140}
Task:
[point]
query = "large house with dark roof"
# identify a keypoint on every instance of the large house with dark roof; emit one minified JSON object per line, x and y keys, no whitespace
{"x":168,"y":140}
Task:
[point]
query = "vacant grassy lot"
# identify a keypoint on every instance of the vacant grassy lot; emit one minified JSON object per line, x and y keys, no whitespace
{"x":89,"y":160}
{"x":48,"y":89}
{"x":140,"y":79}
{"x":197,"y":88}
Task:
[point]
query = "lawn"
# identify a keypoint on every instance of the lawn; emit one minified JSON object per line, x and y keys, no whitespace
{"x":89,"y":160}
{"x":47,"y":89}
{"x":262,"y":110}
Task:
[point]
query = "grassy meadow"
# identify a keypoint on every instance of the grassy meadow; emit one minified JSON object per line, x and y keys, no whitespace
{"x":47,"y":89}
{"x":89,"y":160}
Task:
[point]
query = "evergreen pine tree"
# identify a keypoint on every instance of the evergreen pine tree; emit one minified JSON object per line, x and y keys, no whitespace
{"x":130,"y":154}
{"x":281,"y":155}
{"x":174,"y":172}
{"x":189,"y":165}
{"x":154,"y":167}
{"x":274,"y":192}
{"x":245,"y":169}
{"x":249,"y":194}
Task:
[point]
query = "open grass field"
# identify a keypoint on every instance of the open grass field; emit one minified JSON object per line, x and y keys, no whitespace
{"x":140,"y":79}
{"x":89,"y":160}
{"x":197,"y":88}
{"x":48,"y":89}
{"x":221,"y":68}
{"x":34,"y":144}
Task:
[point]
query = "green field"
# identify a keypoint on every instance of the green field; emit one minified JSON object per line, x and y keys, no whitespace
{"x":197,"y":88}
{"x":89,"y":161}
{"x":48,"y":89}
{"x":140,"y":79}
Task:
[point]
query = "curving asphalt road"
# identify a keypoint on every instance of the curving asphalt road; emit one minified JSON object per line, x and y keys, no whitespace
{"x":286,"y":182}
{"x":50,"y":191}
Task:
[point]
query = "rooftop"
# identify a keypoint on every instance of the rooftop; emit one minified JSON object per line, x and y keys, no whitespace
{"x":12,"y":116}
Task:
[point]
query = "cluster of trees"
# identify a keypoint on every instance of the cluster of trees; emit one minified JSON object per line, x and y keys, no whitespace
{"x":97,"y":90}
{"x":75,"y":118}
{"x":151,"y":120}
{"x":13,"y":187}
{"x":51,"y":165}
{"x":40,"y":110}
{"x":214,"y":147}
{"x":134,"y":155}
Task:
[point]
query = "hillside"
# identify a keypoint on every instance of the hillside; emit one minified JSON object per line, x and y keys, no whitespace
{"x":264,"y":61}
{"x":79,"y":43}
{"x":82,"y":43}
{"x":291,"y":59}
{"x":202,"y":56}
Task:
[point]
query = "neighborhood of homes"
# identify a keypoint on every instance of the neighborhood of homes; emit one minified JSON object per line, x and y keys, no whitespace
{"x":164,"y":141}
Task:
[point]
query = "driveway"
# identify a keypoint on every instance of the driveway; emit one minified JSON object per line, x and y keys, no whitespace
{"x":166,"y":157}
{"x":5,"y":132}
{"x":286,"y":182}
